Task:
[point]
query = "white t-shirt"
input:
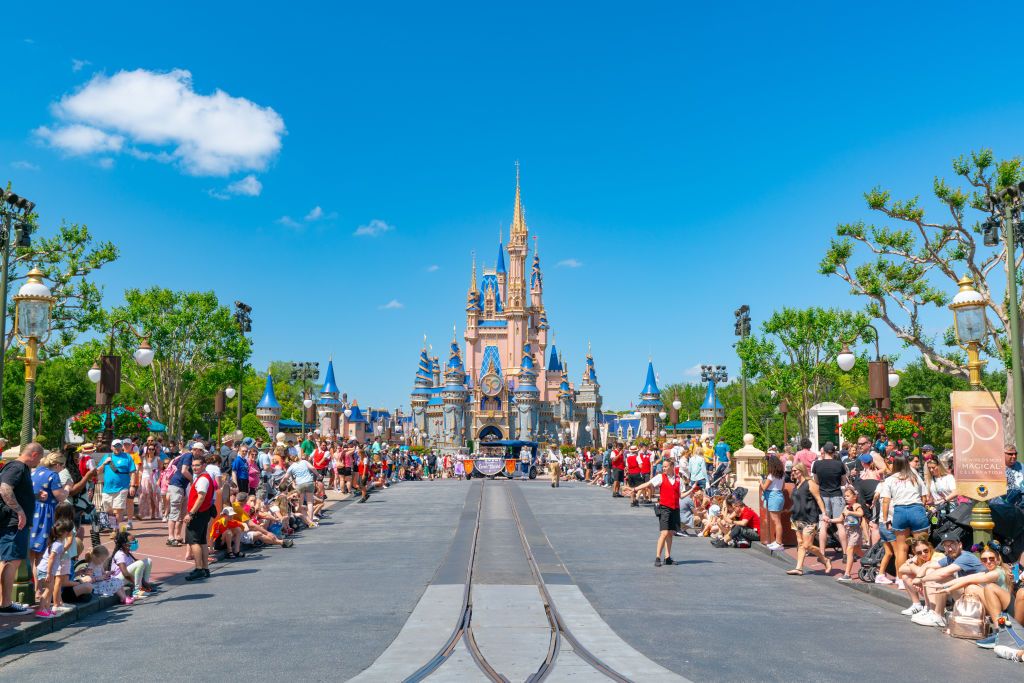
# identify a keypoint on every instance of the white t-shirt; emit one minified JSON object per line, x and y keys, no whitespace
{"x":943,"y":487}
{"x":909,"y":491}
{"x":202,"y":485}
{"x":775,"y":484}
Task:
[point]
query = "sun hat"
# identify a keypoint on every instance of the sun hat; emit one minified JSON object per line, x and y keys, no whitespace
{"x":87,"y":448}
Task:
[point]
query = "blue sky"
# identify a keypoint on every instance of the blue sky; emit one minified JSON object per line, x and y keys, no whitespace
{"x":677,"y":160}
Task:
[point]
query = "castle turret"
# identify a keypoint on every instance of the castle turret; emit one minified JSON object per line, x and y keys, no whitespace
{"x":516,"y":301}
{"x":453,"y":396}
{"x":474,"y":306}
{"x":421,"y":391}
{"x":712,"y":412}
{"x":589,"y":401}
{"x":650,"y":404}
{"x":500,"y":271}
{"x":527,"y":397}
{"x":268,"y":410}
{"x":328,"y":405}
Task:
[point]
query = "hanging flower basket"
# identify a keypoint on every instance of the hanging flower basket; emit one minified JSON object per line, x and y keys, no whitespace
{"x":127,"y":421}
{"x":896,"y":427}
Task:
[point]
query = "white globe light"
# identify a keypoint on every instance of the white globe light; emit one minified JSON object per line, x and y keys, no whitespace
{"x":94,"y":375}
{"x":230,"y":392}
{"x":144,"y":356}
{"x":677,"y":404}
{"x":146,"y":408}
{"x":663,"y":432}
{"x":894,"y":379}
{"x":854,"y":410}
{"x":846,"y":360}
{"x":348,"y":414}
{"x":663,"y":415}
{"x":308,"y":403}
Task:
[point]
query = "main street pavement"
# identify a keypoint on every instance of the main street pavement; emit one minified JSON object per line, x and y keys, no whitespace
{"x":329,"y":608}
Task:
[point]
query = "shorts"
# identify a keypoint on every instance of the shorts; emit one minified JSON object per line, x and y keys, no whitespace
{"x":243,"y":486}
{"x":618,"y":475}
{"x":175,"y":496}
{"x":14,"y":543}
{"x":114,"y":501}
{"x":304,"y":488}
{"x":774,"y":501}
{"x":345,"y":471}
{"x":910,"y":518}
{"x":805,"y":528}
{"x":853,"y":537}
{"x":635,"y":480}
{"x":834,"y":506}
{"x":197,"y":527}
{"x":885,"y":534}
{"x":646,"y":476}
{"x":248,"y":538}
{"x":668,"y":519}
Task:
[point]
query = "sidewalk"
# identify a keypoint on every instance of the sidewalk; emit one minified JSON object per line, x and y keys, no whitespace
{"x":169,"y":570}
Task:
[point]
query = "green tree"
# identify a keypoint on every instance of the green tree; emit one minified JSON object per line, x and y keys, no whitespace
{"x":252,"y":427}
{"x":906,"y":270}
{"x":63,"y":389}
{"x":795,"y":355}
{"x":193,"y":337}
{"x":731,"y":431}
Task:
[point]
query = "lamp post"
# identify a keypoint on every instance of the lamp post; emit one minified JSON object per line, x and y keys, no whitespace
{"x":919,"y":405}
{"x":304,"y":372}
{"x":784,"y":412}
{"x":32,"y":307}
{"x":244,"y":320}
{"x":106,"y":375}
{"x":742,"y":329}
{"x":971,"y":326}
{"x":1006,"y":205}
{"x":15,"y":212}
{"x":880,"y":377}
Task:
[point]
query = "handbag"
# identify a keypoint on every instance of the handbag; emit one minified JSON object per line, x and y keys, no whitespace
{"x":968,"y":619}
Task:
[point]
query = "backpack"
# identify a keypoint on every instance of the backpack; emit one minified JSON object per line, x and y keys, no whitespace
{"x":169,"y":471}
{"x":968,"y":620}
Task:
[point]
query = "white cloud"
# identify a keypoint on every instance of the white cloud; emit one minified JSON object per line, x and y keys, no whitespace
{"x":391,"y":305}
{"x":692,"y":371}
{"x":569,"y":263}
{"x":433,"y":268}
{"x":374,"y":228}
{"x":249,"y":186}
{"x":79,"y":139}
{"x":79,"y":64}
{"x":214,"y":134}
{"x":318,"y":214}
{"x":105,"y":163}
{"x":24,"y":165}
{"x":288,"y":222}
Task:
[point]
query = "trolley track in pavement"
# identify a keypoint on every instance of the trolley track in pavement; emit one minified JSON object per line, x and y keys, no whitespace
{"x":463,"y":630}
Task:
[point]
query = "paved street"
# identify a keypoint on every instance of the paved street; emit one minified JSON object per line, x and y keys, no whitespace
{"x":330,"y":608}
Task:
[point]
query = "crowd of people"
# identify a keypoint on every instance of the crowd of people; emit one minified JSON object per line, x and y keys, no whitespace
{"x":70,"y":515}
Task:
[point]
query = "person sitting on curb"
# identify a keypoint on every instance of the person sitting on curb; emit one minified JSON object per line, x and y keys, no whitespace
{"x":935,"y":580}
{"x":745,"y":527}
{"x":991,"y":587}
{"x":226,"y":533}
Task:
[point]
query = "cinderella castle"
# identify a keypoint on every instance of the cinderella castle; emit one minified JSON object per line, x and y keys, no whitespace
{"x":503,"y":388}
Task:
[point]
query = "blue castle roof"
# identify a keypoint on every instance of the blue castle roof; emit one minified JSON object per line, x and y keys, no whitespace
{"x":454,"y":361}
{"x":500,"y":268}
{"x":527,"y":357}
{"x":711,"y":401}
{"x":651,"y":384}
{"x":330,"y":385}
{"x":553,"y":363}
{"x":269,"y":400}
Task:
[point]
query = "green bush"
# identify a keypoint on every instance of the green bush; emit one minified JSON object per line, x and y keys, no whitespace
{"x":252,"y":427}
{"x":731,"y":431}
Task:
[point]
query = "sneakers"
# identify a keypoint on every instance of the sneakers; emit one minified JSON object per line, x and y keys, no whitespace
{"x":657,"y":562}
{"x":1013,"y":654}
{"x":669,"y":560}
{"x":719,"y":543}
{"x":129,"y":600}
{"x":773,"y":546}
{"x":634,"y":504}
{"x":990,"y":642}
{"x":287,"y":543}
{"x":899,"y":584}
{"x":928,"y":618}
{"x":196,"y":574}
{"x":883,"y":580}
{"x":913,"y":609}
{"x":14,"y":608}
{"x":44,"y":614}
{"x":844,"y":578}
{"x":63,"y":609}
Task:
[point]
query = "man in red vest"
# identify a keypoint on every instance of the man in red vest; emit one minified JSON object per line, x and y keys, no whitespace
{"x":670,"y":491}
{"x":633,"y":474}
{"x":201,"y":510}
{"x":618,"y":472}
{"x":645,"y":472}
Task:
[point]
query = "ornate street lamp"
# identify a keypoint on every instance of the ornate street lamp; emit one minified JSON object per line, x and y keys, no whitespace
{"x":971,"y":326}
{"x":33,"y":306}
{"x":109,"y":382}
{"x":880,"y":377}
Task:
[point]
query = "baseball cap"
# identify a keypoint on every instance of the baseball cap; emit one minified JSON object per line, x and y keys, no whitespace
{"x":865,"y":458}
{"x":116,"y":442}
{"x":927,"y":447}
{"x":950,"y":533}
{"x":228,"y":510}
{"x":197,"y":444}
{"x":829,"y":447}
{"x":248,"y":441}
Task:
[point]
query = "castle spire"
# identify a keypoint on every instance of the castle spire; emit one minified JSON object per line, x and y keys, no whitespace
{"x":500,"y":268}
{"x":472,"y":282}
{"x":518,"y":217}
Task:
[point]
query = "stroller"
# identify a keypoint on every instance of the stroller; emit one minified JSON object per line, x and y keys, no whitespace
{"x":870,"y":563}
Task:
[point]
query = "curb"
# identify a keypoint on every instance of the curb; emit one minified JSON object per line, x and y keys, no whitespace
{"x":31,"y":630}
{"x":884,"y":594}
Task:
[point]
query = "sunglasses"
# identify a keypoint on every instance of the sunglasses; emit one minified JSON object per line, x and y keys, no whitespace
{"x":922,"y":551}
{"x":987,"y":558}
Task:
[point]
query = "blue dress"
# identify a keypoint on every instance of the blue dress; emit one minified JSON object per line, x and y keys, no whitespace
{"x":43,"y":479}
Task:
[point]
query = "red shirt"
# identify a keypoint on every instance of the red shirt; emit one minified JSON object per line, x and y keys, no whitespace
{"x":753,"y":521}
{"x":645,"y":463}
{"x":633,"y":463}
{"x":668,"y":492}
{"x":617,"y":460}
{"x":320,"y":459}
{"x":207,"y":497}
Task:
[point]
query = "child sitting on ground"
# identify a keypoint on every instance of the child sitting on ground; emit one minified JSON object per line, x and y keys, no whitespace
{"x":103,"y":582}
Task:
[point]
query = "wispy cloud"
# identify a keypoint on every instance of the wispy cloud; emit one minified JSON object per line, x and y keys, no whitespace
{"x":433,"y":268}
{"x":106,"y":163}
{"x":79,"y":64}
{"x":161,"y":116}
{"x":249,"y":186}
{"x":24,"y":165}
{"x":692,"y":371}
{"x":392,"y":305}
{"x":318,"y":214}
{"x":374,"y":228}
{"x":288,"y":222}
{"x":570,"y":263}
